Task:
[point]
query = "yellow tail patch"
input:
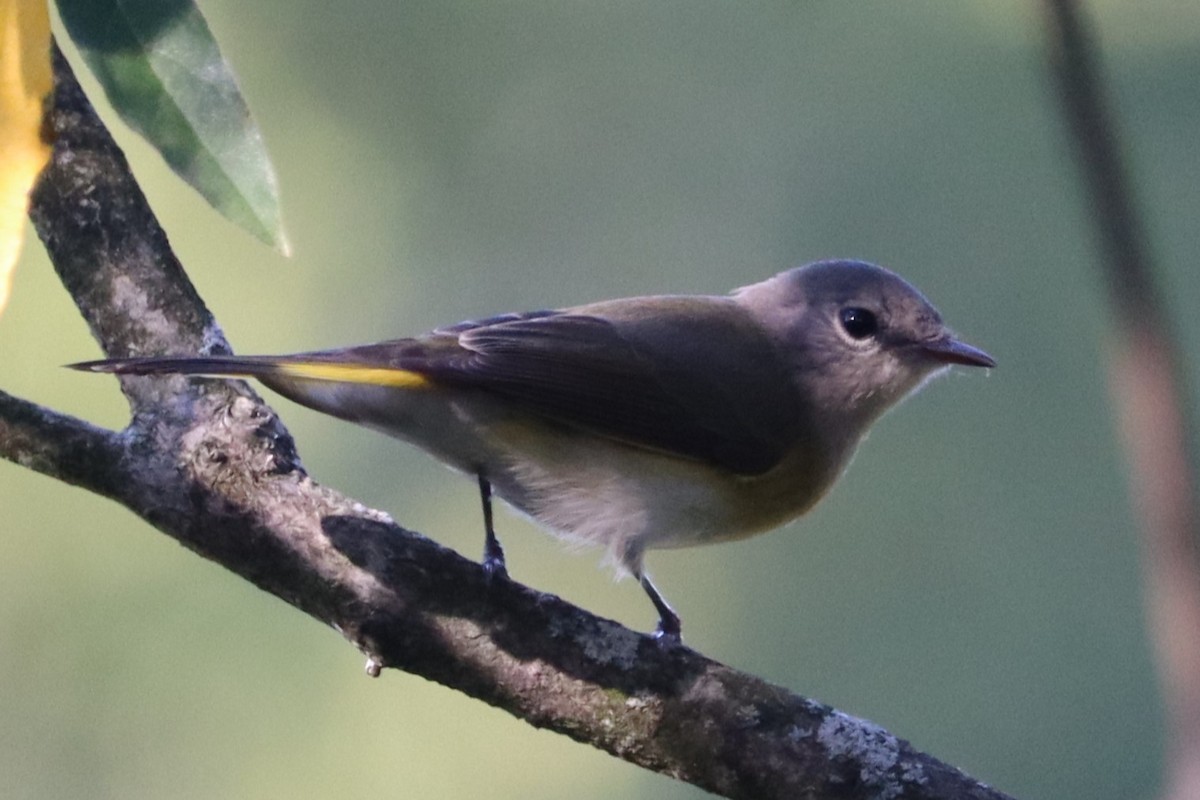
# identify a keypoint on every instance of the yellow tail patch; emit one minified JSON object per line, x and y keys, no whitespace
{"x":354,"y":373}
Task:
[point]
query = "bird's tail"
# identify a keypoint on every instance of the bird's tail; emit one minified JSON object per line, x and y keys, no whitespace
{"x":214,"y":366}
{"x":288,"y":375}
{"x":332,"y":381}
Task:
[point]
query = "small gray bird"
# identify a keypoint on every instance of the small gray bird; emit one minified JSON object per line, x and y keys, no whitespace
{"x":642,"y":423}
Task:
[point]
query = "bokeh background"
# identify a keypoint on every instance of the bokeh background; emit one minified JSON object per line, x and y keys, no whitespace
{"x":972,"y":584}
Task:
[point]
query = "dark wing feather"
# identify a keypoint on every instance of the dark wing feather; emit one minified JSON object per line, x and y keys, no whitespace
{"x":695,"y":378}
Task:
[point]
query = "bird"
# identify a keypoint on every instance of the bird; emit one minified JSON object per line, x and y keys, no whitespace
{"x":640,"y":423}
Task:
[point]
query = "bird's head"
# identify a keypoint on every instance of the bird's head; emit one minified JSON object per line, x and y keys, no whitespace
{"x":858,"y":338}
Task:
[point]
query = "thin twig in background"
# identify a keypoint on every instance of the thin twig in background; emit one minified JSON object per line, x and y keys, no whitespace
{"x":1147,"y":383}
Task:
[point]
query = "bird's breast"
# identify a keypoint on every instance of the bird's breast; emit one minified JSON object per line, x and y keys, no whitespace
{"x":628,"y":499}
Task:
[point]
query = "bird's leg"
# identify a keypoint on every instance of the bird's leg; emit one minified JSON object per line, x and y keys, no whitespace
{"x":493,"y":553}
{"x":670,"y":629}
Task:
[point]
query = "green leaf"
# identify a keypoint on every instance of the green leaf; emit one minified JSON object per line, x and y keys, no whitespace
{"x":165,"y":76}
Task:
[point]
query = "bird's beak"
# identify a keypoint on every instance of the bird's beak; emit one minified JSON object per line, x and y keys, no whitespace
{"x":949,"y":350}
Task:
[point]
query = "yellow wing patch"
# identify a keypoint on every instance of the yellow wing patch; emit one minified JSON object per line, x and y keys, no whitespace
{"x":353,"y":373}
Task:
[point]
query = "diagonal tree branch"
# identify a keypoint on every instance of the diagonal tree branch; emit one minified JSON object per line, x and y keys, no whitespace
{"x":210,"y":465}
{"x":63,"y":447}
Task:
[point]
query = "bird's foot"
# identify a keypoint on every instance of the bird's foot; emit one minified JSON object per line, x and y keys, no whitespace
{"x":494,"y":568}
{"x":669,"y":632}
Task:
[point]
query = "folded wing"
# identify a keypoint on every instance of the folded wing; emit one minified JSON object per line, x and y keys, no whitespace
{"x":698,"y":382}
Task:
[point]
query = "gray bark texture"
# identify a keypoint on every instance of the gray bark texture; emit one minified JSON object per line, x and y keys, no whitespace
{"x":207,"y":463}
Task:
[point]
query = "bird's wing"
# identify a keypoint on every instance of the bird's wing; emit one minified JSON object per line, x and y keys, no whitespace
{"x":695,"y":379}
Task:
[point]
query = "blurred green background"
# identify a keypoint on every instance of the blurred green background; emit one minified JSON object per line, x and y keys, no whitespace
{"x":972,"y":583}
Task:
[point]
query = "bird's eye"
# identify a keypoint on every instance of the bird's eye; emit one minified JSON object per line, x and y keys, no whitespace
{"x":858,"y":322}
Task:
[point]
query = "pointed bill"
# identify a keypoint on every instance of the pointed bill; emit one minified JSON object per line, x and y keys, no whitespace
{"x":949,"y":350}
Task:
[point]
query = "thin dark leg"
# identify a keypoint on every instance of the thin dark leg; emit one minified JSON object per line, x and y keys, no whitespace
{"x":493,"y":553}
{"x":670,"y":629}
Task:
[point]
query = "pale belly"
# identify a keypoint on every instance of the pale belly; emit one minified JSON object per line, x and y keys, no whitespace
{"x":581,"y":487}
{"x":629,"y":500}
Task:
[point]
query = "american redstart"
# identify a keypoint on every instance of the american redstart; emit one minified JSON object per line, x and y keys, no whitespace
{"x":647,"y":422}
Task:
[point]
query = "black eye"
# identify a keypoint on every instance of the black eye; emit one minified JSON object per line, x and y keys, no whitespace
{"x":858,"y":322}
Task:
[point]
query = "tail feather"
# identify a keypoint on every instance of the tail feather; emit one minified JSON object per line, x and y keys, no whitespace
{"x":216,"y":366}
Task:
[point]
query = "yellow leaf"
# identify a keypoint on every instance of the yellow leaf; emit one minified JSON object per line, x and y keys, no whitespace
{"x":25,"y":81}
